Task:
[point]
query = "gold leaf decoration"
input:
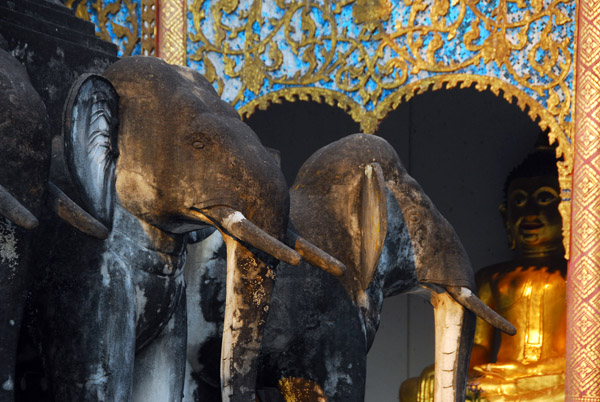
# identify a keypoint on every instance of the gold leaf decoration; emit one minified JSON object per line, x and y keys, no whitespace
{"x":252,"y":76}
{"x":126,"y":23}
{"x":369,"y":11}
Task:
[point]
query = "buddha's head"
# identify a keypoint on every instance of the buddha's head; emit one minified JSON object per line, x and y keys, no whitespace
{"x":530,"y":209}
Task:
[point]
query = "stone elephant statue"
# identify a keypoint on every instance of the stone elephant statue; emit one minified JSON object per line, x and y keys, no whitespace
{"x":154,"y":154}
{"x":353,"y":199}
{"x":25,"y":195}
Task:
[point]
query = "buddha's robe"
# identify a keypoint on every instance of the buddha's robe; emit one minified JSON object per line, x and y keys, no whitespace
{"x":530,"y":365}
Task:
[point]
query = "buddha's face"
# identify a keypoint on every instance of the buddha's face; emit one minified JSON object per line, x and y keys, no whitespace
{"x":532,"y":216}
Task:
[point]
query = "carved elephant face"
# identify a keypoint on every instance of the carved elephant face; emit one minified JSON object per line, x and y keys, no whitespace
{"x":175,"y":150}
{"x":357,"y":189}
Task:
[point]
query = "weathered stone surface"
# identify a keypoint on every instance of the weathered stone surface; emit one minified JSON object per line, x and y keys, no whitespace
{"x":354,"y":200}
{"x":24,"y":164}
{"x":24,"y":135}
{"x":51,"y":48}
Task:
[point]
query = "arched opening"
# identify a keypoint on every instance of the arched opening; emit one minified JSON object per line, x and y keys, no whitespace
{"x":298,"y":129}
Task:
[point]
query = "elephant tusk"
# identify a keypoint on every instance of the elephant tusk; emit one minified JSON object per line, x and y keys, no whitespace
{"x":15,"y":212}
{"x":454,"y":329}
{"x":470,"y":301}
{"x":73,"y":214}
{"x":315,"y":256}
{"x":236,"y":224}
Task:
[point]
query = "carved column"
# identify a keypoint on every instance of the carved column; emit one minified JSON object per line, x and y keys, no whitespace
{"x":171,"y":31}
{"x":583,"y":286}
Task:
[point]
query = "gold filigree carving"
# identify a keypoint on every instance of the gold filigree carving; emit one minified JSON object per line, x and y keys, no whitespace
{"x":106,"y":17}
{"x":126,"y":23}
{"x":371,"y":11}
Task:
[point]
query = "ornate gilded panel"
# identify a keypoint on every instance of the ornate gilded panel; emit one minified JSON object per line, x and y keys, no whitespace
{"x":368,"y":55}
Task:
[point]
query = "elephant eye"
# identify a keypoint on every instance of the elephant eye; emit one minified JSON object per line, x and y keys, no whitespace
{"x":411,"y":214}
{"x":198,"y":144}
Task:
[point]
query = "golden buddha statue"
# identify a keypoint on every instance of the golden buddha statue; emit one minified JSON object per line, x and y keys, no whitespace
{"x":529,"y":291}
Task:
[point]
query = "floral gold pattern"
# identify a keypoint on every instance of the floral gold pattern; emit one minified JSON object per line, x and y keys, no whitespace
{"x":148,"y":22}
{"x":130,"y":24}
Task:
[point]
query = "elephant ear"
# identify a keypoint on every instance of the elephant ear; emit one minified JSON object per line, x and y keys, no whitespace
{"x":373,"y":221}
{"x":90,"y":133}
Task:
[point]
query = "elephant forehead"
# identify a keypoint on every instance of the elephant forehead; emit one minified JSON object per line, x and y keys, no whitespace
{"x":201,"y":88}
{"x":164,"y":88}
{"x":179,"y":128}
{"x":201,"y":146}
{"x":217,"y":159}
{"x":152,"y":101}
{"x":348,"y":156}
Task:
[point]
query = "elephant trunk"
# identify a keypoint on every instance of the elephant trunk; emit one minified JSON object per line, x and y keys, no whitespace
{"x":249,"y":286}
{"x":454,"y":331}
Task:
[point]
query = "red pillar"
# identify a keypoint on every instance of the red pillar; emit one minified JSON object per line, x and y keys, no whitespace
{"x":583,"y":279}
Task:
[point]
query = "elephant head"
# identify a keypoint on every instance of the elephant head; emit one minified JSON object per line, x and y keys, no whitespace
{"x":382,"y":226}
{"x":155,"y":154}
